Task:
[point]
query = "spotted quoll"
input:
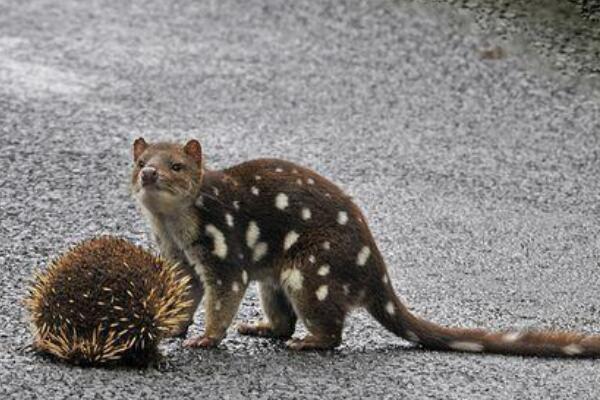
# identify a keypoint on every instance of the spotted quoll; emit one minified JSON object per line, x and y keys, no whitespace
{"x":306,"y":244}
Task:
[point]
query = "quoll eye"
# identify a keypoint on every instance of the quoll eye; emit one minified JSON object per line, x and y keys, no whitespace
{"x":177,"y":167}
{"x":140,"y":164}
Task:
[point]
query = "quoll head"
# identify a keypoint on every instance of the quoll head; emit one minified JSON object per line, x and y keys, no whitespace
{"x":166,"y":176}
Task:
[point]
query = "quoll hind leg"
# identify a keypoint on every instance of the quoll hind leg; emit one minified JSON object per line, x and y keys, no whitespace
{"x":280,"y":318}
{"x":318,"y":303}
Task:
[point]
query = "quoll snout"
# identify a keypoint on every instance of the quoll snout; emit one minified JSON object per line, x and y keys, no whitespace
{"x":148,"y":176}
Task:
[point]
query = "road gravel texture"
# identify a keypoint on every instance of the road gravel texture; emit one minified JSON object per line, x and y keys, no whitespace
{"x":479,"y":176}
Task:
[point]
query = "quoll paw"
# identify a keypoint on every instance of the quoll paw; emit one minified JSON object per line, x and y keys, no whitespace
{"x":205,"y":342}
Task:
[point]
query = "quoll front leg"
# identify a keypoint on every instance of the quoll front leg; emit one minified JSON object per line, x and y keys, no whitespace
{"x":280,"y":318}
{"x":196,"y":294}
{"x":222,"y":297}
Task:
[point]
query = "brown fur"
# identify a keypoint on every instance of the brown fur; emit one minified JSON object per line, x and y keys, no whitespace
{"x":307,"y":245}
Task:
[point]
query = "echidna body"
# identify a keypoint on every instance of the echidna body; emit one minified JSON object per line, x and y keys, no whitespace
{"x":105,"y":301}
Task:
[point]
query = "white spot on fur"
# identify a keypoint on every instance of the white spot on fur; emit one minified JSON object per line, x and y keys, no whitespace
{"x":572,"y":349}
{"x":346,"y":288}
{"x":216,"y":191}
{"x":411,"y":336}
{"x":281,"y":201}
{"x":278,"y":169}
{"x":292,"y":278}
{"x":327,"y":195}
{"x":342,"y":218}
{"x":244,"y":277}
{"x":220,"y":249}
{"x":236,"y":205}
{"x":363,"y":256}
{"x":389,"y":307}
{"x":385,"y":279}
{"x":306,"y":214}
{"x":299,"y":182}
{"x":199,"y":202}
{"x":323,"y":270}
{"x":259,"y":251}
{"x":229,"y":219}
{"x":254,"y":190}
{"x":217,"y":305}
{"x":219,"y":282}
{"x":312,"y":259}
{"x":257,"y":177}
{"x":326,"y":245}
{"x":290,"y":239}
{"x":294,"y":171}
{"x":466,"y":346}
{"x":199,"y":269}
{"x":310,"y":181}
{"x":252,"y":234}
{"x":235,"y":287}
{"x":511,"y":336}
{"x":322,"y":292}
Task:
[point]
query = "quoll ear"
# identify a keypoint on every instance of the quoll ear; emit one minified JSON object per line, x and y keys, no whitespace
{"x":139,"y":146}
{"x":193,"y":149}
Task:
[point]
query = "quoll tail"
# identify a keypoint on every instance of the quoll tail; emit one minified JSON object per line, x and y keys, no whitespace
{"x":395,"y":317}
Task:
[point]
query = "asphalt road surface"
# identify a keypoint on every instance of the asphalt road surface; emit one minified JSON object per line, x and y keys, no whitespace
{"x":475,"y":159}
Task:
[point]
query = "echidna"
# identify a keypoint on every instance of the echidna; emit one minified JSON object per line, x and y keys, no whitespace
{"x":107,"y":301}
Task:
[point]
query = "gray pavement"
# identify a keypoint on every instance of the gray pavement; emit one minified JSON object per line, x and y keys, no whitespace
{"x":479,"y":177}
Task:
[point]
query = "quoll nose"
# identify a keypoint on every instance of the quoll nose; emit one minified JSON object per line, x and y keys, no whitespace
{"x":148,"y":175}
